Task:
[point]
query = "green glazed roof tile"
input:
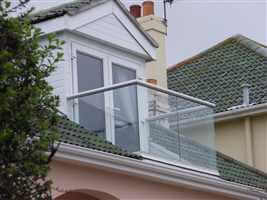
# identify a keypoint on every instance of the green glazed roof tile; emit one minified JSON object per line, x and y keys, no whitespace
{"x":235,"y":171}
{"x":74,"y":134}
{"x":217,"y":75}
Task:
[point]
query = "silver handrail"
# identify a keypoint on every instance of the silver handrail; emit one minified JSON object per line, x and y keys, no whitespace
{"x":144,"y":84}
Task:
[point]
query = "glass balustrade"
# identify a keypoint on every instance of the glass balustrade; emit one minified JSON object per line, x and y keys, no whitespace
{"x":140,"y":117}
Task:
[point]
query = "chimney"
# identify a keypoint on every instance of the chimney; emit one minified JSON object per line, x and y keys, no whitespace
{"x":148,"y":8}
{"x":135,"y":11}
{"x":157,"y":29}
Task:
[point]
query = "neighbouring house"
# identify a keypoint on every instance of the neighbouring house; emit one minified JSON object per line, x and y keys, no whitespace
{"x":123,"y":138}
{"x":233,"y":75}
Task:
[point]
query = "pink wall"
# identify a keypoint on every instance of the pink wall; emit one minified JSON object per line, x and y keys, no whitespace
{"x":116,"y":186}
{"x":75,"y":196}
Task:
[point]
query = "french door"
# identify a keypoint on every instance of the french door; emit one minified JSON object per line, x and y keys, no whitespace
{"x":112,"y":114}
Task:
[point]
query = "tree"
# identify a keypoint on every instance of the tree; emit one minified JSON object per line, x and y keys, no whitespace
{"x":28,"y":109}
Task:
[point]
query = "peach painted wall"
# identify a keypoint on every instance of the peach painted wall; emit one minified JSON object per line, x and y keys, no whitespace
{"x":75,"y":196}
{"x":70,"y":177}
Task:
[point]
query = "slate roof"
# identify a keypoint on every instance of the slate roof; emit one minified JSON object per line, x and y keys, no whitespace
{"x":229,"y":169}
{"x":217,"y":74}
{"x":77,"y":6}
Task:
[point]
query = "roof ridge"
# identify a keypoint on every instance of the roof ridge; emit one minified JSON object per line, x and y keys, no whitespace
{"x":61,"y":9}
{"x":259,"y":48}
{"x":249,"y":43}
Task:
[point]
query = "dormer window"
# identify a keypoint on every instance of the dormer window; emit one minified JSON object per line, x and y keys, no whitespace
{"x":109,"y":114}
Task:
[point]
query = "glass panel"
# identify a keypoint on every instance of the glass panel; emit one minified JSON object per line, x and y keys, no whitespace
{"x":173,"y":129}
{"x":163,"y":137}
{"x":181,"y":130}
{"x":90,"y":76}
{"x":92,"y":113}
{"x":197,"y":136}
{"x":125,"y":109}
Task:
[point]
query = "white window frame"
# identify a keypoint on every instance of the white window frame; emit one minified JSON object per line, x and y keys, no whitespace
{"x":108,"y":61}
{"x":124,"y":64}
{"x":91,"y":52}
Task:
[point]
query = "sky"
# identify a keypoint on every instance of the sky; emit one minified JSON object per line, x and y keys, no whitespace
{"x":195,"y":25}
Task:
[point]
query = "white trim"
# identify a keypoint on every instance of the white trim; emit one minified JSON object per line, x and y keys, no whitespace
{"x":157,"y":172}
{"x":108,"y":60}
{"x":90,"y":52}
{"x":106,"y":49}
{"x":176,"y":162}
{"x":123,"y":64}
{"x":243,"y":112}
{"x":142,"y":40}
{"x":142,"y":99}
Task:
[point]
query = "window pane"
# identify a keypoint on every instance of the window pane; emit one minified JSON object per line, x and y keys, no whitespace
{"x":91,"y":108}
{"x":90,"y":72}
{"x":126,"y":113}
{"x":121,"y":74}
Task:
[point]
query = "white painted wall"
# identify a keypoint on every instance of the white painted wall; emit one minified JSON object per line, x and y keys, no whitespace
{"x":109,"y":28}
{"x":57,"y":78}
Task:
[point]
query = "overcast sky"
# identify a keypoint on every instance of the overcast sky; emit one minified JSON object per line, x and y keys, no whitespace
{"x":195,"y":25}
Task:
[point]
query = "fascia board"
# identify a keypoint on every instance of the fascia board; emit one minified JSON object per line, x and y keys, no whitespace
{"x":157,"y":172}
{"x":84,"y":18}
{"x":242,"y":112}
{"x":72,"y":22}
{"x":139,"y":37}
{"x":54,"y":25}
{"x":107,"y":43}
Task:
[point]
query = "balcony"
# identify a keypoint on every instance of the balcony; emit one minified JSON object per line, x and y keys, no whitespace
{"x":159,"y":124}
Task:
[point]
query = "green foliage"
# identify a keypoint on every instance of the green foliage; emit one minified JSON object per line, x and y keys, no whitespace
{"x":28,"y":114}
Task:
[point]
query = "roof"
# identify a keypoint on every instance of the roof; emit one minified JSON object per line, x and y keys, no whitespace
{"x":74,"y":134}
{"x":229,"y":169}
{"x":217,"y":74}
{"x":238,"y":172}
{"x":77,"y":6}
{"x":204,"y":157}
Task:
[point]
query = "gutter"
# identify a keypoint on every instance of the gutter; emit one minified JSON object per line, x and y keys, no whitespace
{"x":158,"y":172}
{"x":242,"y":112}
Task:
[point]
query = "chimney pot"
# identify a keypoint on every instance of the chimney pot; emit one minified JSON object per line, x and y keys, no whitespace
{"x":135,"y":10}
{"x":148,"y":8}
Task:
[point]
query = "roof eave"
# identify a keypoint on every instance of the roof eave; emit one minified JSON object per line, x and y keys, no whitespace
{"x":137,"y":24}
{"x":157,"y":172}
{"x":242,"y":112}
